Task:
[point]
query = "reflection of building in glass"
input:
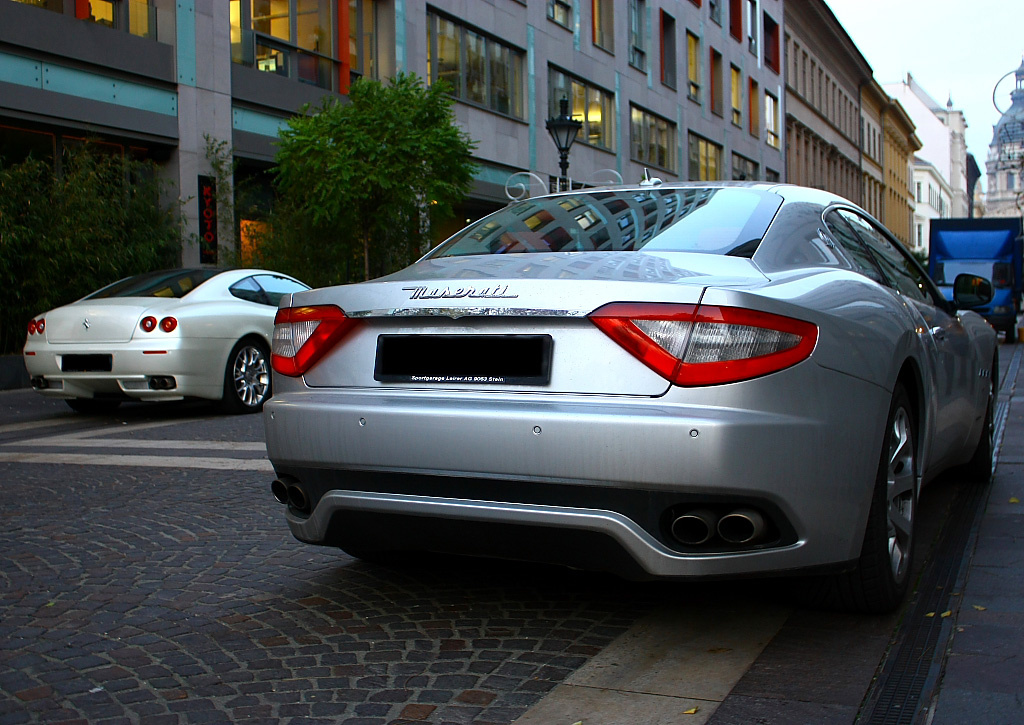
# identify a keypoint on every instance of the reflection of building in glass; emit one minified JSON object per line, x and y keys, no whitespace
{"x":689,"y":219}
{"x":637,"y":267}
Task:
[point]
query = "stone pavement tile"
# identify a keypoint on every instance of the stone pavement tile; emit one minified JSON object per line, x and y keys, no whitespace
{"x":995,"y":581}
{"x":989,"y":639}
{"x":818,"y":664}
{"x":956,"y":707}
{"x":1003,"y":553}
{"x":985,"y":673}
{"x":597,"y":706}
{"x":744,"y":710}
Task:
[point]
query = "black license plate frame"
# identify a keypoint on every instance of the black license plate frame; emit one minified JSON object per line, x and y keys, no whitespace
{"x":87,"y":363}
{"x":464,"y":359}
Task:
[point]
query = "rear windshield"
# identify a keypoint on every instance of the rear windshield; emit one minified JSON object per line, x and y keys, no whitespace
{"x":729,"y":221}
{"x":166,"y":283}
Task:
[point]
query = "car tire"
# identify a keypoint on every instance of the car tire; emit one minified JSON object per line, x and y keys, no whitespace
{"x":979,"y":468}
{"x":92,"y":406}
{"x":1011,"y":333}
{"x":247,"y":380}
{"x":879,"y":580}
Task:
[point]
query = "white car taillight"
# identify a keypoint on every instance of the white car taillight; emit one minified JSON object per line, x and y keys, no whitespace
{"x":707,"y":345}
{"x":303,"y":335}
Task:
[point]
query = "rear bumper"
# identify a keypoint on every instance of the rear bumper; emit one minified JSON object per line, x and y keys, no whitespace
{"x":192,"y":363}
{"x":555,"y":467}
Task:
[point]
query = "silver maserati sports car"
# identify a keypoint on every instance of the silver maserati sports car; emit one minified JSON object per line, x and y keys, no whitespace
{"x":167,"y":335}
{"x":663,"y":380}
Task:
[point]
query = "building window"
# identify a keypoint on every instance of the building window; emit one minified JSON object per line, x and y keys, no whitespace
{"x":637,"y":39}
{"x":715,"y":86}
{"x":753,"y":112}
{"x":736,"y":19}
{"x":705,"y":159}
{"x":480,"y":69}
{"x":918,"y":196}
{"x":693,"y":66}
{"x":715,"y":10}
{"x":604,"y":24}
{"x":772,"y":49}
{"x":771,"y":119}
{"x":561,"y":12}
{"x":587,"y":103}
{"x":920,"y":235}
{"x":771,"y":175}
{"x":743,"y":169}
{"x":362,"y":38}
{"x":752,"y":26}
{"x":668,"y":50}
{"x":138,"y":17}
{"x":652,"y":139}
{"x":736,"y":78}
{"x":291,"y":38}
{"x":1011,"y":181}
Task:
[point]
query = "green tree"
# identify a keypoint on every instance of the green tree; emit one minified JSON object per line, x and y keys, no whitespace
{"x":65,"y":235}
{"x":360,"y":183}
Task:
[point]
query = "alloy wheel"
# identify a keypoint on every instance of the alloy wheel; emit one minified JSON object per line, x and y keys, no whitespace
{"x":901,"y":488}
{"x":251,"y":376}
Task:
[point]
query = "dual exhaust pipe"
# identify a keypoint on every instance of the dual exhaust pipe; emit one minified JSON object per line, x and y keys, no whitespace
{"x":291,"y":492}
{"x":699,"y":526}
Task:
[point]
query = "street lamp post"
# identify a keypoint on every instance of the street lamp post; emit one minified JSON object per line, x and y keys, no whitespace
{"x":563,"y":129}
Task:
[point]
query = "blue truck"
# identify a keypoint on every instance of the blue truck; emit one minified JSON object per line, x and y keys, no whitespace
{"x":989,"y":247}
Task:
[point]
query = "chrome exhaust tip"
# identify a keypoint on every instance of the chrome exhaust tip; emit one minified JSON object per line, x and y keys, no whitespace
{"x":280,"y":490}
{"x":742,"y":526}
{"x":694,"y":528}
{"x":297,"y":497}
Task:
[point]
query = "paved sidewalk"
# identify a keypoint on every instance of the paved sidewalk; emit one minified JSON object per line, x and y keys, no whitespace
{"x":983,"y":678}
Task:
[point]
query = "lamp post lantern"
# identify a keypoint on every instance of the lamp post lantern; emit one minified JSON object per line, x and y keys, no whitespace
{"x":563,"y":129}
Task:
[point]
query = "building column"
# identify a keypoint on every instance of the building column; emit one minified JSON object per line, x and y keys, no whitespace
{"x":203,"y":59}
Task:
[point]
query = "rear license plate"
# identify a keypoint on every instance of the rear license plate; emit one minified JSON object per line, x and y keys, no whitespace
{"x":86,"y":363}
{"x":479,"y":359}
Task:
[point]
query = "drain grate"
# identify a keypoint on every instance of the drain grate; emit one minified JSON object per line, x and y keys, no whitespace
{"x":910,"y":675}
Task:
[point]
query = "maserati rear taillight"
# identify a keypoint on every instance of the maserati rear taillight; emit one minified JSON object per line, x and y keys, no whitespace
{"x":692,"y":345}
{"x":303,"y":335}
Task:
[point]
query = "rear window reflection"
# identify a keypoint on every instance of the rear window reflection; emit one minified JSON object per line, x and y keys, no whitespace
{"x":729,"y":221}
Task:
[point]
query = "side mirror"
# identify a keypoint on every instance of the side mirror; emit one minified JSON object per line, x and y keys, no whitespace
{"x":970,"y":290}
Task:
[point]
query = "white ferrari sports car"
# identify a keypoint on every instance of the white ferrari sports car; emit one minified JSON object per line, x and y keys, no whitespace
{"x":167,"y":335}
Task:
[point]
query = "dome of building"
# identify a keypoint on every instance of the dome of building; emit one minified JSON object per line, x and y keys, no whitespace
{"x":1010,"y":129}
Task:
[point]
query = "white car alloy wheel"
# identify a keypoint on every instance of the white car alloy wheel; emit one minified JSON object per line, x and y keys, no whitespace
{"x":247,"y":385}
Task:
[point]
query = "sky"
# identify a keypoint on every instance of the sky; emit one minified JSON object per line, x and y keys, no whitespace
{"x":951,"y":47}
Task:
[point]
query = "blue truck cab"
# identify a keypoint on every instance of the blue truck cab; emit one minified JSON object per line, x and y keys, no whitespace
{"x":992,"y":248}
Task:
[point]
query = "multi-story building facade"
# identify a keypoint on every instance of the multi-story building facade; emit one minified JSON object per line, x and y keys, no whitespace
{"x":933,"y":199}
{"x":825,"y":73}
{"x":844,"y":133}
{"x":688,"y":89}
{"x":899,"y":144}
{"x":941,"y":130}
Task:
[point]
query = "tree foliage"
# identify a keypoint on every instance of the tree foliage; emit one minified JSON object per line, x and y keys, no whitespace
{"x":360,"y":183}
{"x":65,"y":235}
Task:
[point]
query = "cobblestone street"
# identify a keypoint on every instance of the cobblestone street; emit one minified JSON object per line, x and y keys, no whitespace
{"x":169,"y":596}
